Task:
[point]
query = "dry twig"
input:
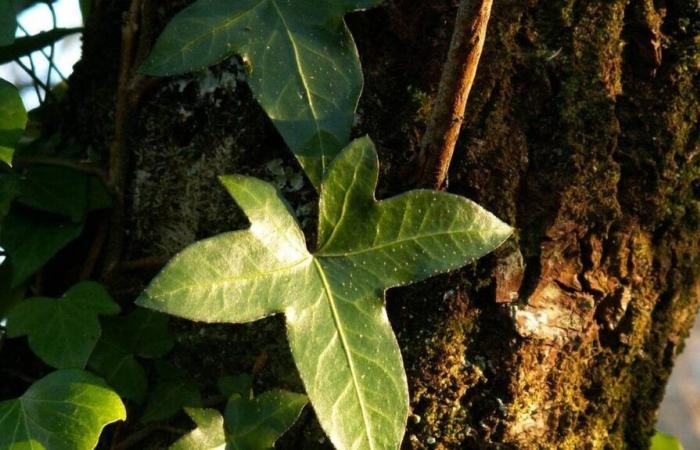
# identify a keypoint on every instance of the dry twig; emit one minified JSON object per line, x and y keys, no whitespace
{"x":456,"y":82}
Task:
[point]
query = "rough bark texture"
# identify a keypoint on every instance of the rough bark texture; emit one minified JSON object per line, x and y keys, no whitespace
{"x":582,"y":131}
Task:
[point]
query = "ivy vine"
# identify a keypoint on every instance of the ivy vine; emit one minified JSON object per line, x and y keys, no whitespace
{"x":304,"y":70}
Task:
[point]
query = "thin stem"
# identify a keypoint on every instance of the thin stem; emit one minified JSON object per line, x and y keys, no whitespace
{"x":53,"y":161}
{"x":45,"y":55}
{"x":118,"y":154}
{"x":53,"y":46}
{"x":37,"y":83}
{"x":456,"y":82}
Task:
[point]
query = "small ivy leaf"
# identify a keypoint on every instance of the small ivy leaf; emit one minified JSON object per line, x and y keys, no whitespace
{"x":304,"y":69}
{"x":63,"y":332}
{"x":31,"y":242}
{"x":13,"y":119}
{"x":209,"y":434}
{"x":241,"y":384}
{"x":140,"y":333}
{"x":333,"y":300}
{"x":255,"y":424}
{"x":173,"y":391}
{"x":663,"y":441}
{"x":66,"y":410}
{"x":8,"y":22}
{"x":63,"y":191}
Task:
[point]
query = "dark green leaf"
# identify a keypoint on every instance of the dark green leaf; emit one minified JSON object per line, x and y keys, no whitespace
{"x":241,"y":384}
{"x":13,"y":119}
{"x":141,"y":332}
{"x":120,"y":370}
{"x":63,"y":332}
{"x":303,"y":64}
{"x":209,"y":434}
{"x":30,"y":243}
{"x":8,"y":22}
{"x":173,"y":391}
{"x":337,"y":325}
{"x":9,"y":187}
{"x":29,"y":44}
{"x":66,"y":410}
{"x":63,"y":190}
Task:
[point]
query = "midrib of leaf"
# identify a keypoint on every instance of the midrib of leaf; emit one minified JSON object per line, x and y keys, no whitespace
{"x":346,"y":350}
{"x":217,"y":29}
{"x":380,"y":246}
{"x":302,"y":76}
{"x":226,"y":280}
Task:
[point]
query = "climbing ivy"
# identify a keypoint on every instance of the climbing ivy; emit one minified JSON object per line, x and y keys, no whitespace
{"x":332,"y":299}
{"x":304,"y":70}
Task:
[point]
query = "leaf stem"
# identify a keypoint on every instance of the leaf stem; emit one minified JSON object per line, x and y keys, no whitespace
{"x":456,"y":82}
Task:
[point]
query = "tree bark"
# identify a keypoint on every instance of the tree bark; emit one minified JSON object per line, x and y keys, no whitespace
{"x":581,"y":131}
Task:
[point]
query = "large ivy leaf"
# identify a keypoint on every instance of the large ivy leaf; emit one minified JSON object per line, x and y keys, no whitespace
{"x":62,"y":190}
{"x":31,"y":242}
{"x":304,"y":69}
{"x":66,"y":410}
{"x":13,"y":119}
{"x":338,"y":330}
{"x":63,"y":332}
{"x":141,"y":333}
{"x":8,"y":22}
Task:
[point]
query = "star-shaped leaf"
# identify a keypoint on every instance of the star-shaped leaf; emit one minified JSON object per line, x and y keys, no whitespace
{"x":66,"y":410}
{"x":304,"y":69}
{"x":251,"y":423}
{"x":63,"y":332}
{"x":13,"y":119}
{"x":333,"y":299}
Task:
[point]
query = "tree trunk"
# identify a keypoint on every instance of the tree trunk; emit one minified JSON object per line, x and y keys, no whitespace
{"x":581,"y":131}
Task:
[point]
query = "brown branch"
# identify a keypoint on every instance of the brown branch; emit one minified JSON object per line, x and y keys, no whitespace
{"x":151,"y":262}
{"x":456,"y":82}
{"x":95,"y":249}
{"x":118,"y":154}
